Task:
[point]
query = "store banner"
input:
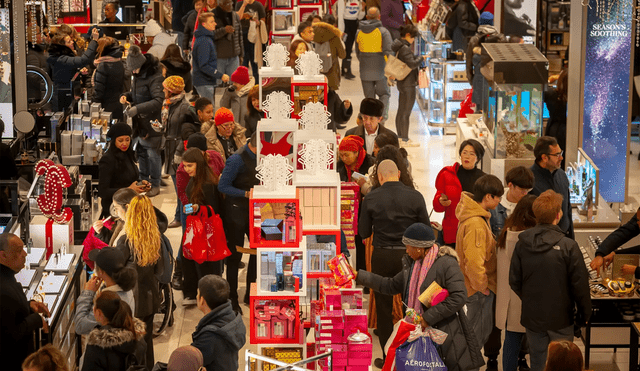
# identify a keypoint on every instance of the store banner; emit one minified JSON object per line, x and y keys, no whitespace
{"x":607,"y":91}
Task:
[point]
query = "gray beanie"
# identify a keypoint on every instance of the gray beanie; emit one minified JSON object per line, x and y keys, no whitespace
{"x":419,"y":235}
{"x":135,"y":59}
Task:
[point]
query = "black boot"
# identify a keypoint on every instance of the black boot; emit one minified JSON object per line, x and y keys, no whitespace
{"x":176,"y":282}
{"x":346,"y":69}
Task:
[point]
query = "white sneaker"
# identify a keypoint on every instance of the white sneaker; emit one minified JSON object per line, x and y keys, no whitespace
{"x":189,"y":301}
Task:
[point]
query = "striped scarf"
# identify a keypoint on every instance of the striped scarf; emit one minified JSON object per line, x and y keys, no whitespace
{"x":419,"y":273}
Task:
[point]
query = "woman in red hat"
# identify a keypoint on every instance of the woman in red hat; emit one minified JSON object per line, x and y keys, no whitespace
{"x":353,"y":158}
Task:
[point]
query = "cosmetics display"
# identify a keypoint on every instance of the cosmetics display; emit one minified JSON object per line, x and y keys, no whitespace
{"x":447,"y":90}
{"x":274,"y":320}
{"x":281,"y":271}
{"x":584,"y":182}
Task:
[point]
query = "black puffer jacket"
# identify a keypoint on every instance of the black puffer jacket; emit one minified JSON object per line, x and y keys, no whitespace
{"x":116,"y":170}
{"x":179,"y":113}
{"x":189,"y":21}
{"x":64,"y":63}
{"x":228,"y":45}
{"x":549,"y":275}
{"x":461,"y":350}
{"x":108,"y":348}
{"x":402,"y":48}
{"x":147,"y":95}
{"x":108,"y":81}
{"x":251,"y":119}
{"x":179,"y":68}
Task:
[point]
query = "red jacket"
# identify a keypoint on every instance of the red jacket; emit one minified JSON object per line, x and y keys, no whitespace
{"x":447,"y":182}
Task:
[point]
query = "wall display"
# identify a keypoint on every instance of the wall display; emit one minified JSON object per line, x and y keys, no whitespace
{"x":606,"y":93}
{"x":583,"y":180}
{"x":519,"y":19}
{"x":6,"y":97}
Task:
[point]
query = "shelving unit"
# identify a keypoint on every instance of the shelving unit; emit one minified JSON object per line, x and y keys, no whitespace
{"x":448,"y":87}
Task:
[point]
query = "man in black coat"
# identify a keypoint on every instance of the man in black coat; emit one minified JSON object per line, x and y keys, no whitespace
{"x":619,"y":237}
{"x":549,"y":175}
{"x":548,"y":273}
{"x":19,"y":317}
{"x":371,"y":110}
{"x":388,"y":211}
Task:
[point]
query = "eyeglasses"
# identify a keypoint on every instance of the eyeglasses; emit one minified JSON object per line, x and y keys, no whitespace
{"x":466,"y":153}
{"x":556,"y":154}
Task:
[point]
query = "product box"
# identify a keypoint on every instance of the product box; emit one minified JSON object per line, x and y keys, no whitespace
{"x":76,"y":122}
{"x":77,"y":140}
{"x":355,"y":319}
{"x":95,"y":108}
{"x":358,"y":368}
{"x":65,"y":143}
{"x":50,"y":235}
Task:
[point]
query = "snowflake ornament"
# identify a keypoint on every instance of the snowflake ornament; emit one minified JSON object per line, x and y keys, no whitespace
{"x":274,"y":172}
{"x":278,"y":106}
{"x":316,"y":156}
{"x":309,"y":64}
{"x":314,"y":116}
{"x":276,"y":56}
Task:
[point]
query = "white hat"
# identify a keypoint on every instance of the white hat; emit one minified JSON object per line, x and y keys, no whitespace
{"x":152,"y":29}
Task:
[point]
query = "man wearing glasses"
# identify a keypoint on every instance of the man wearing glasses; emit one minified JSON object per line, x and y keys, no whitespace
{"x":227,"y":136}
{"x":549,"y":175}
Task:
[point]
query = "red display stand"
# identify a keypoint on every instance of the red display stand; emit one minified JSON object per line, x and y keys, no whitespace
{"x":291,"y":229}
{"x":268,"y":327}
{"x":305,"y":90}
{"x":334,"y":233}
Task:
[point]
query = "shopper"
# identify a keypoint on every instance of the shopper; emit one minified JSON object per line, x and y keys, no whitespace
{"x":549,"y":175}
{"x":228,"y":37}
{"x":221,"y":331}
{"x":556,"y":101}
{"x":159,"y":39}
{"x":216,"y":163}
{"x":451,"y":182}
{"x":110,"y":17}
{"x":349,"y":12}
{"x":250,"y":11}
{"x":423,"y":264}
{"x":117,"y":167}
{"x":564,"y":356}
{"x":174,"y":65}
{"x":109,"y":76}
{"x":140,"y":245}
{"x":387,"y":212}
{"x":327,"y":32}
{"x":403,"y":48}
{"x":64,"y":64}
{"x":372,"y":112}
{"x":475,"y":245}
{"x":297,"y":48}
{"x":111,"y":274}
{"x":189,"y":21}
{"x":118,"y":340}
{"x":47,"y":358}
{"x":462,"y":23}
{"x":226,"y":136}
{"x":146,"y":97}
{"x":544,"y":257}
{"x":353,"y":159}
{"x":397,"y":155}
{"x":305,"y":33}
{"x":624,"y":233}
{"x":339,"y":111}
{"x":202,"y":191}
{"x":373,"y":45}
{"x":254,"y":113}
{"x":236,"y":182}
{"x":235,"y":96}
{"x":205,"y":58}
{"x":19,"y":318}
{"x":508,"y":304}
{"x":121,"y":200}
{"x":186,"y":358}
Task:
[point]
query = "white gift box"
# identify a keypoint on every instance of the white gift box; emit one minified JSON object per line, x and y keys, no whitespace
{"x":60,"y":234}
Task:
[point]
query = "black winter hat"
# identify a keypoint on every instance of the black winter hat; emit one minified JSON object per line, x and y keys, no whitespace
{"x":118,"y":130}
{"x":419,"y":235}
{"x":109,"y":259}
{"x":197,"y":140}
{"x":372,"y":107}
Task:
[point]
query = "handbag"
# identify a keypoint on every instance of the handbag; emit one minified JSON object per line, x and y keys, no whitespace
{"x":419,"y":355}
{"x":423,"y":82}
{"x":396,"y":68}
{"x":204,"y":238}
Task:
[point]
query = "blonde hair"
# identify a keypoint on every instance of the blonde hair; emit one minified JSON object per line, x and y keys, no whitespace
{"x":142,"y":231}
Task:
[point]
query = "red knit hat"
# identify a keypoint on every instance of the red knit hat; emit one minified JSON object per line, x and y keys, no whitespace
{"x":224,"y":115}
{"x":241,"y":75}
{"x":351,"y":143}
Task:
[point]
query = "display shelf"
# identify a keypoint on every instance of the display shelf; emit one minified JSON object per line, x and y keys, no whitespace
{"x":307,"y":89}
{"x":276,"y":137}
{"x":306,"y":10}
{"x":274,"y":268}
{"x":321,"y":245}
{"x":349,"y":205}
{"x":274,"y":319}
{"x":444,"y":76}
{"x":282,"y":4}
{"x":284,"y":21}
{"x":286,"y":233}
{"x":320,"y":205}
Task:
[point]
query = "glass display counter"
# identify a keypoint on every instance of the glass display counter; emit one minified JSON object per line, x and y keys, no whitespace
{"x":448,"y":87}
{"x":427,"y":46}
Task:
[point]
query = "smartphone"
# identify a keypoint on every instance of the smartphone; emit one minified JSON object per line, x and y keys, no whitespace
{"x":188,"y":208}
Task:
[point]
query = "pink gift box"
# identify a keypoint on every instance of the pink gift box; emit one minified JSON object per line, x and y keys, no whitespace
{"x":360,"y":355}
{"x":360,"y":348}
{"x":333,"y":299}
{"x":340,"y":355}
{"x":357,"y":368}
{"x":340,"y":362}
{"x":332,"y":326}
{"x":332,"y":337}
{"x":360,"y":361}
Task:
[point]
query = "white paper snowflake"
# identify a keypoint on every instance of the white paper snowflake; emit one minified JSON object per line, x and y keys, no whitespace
{"x":276,"y":56}
{"x":309,"y":64}
{"x":316,"y":156}
{"x":274,"y":172}
{"x":278,"y":106}
{"x":314,"y":116}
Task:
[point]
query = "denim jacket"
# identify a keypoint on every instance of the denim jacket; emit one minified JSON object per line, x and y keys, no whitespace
{"x":498,"y":217}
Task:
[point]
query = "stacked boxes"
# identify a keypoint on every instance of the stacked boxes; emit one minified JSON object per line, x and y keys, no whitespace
{"x":280,"y":271}
{"x":349,"y":204}
{"x":274,"y":320}
{"x":318,"y":205}
{"x":290,"y":354}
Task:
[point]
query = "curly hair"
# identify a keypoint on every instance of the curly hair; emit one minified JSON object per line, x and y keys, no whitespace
{"x":47,"y":358}
{"x":390,"y":152}
{"x":142,"y":231}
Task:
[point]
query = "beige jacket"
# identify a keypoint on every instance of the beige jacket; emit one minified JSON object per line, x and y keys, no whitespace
{"x":475,"y":245}
{"x":213,"y":143}
{"x":508,"y":304}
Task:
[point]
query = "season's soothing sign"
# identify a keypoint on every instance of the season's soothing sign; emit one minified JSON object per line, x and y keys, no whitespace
{"x":606,"y":94}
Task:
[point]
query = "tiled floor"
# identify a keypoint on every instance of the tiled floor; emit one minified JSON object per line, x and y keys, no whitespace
{"x":436,"y":151}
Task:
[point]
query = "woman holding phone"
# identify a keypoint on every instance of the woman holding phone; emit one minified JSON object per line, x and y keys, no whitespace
{"x":202,"y":191}
{"x":450,"y":183}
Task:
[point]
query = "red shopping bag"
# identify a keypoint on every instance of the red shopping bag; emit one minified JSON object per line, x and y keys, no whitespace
{"x":204,"y":238}
{"x":465,"y":106}
{"x":401,"y":331}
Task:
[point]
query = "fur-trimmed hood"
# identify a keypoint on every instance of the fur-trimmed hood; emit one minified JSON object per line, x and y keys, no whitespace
{"x":324,"y":32}
{"x":447,"y":250}
{"x":118,"y":339}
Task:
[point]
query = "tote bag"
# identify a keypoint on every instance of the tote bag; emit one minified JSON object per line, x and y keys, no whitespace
{"x":396,"y":68}
{"x":204,"y":238}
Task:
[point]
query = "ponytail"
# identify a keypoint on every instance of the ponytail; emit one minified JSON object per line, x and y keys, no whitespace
{"x":116,"y":310}
{"x":126,"y":278}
